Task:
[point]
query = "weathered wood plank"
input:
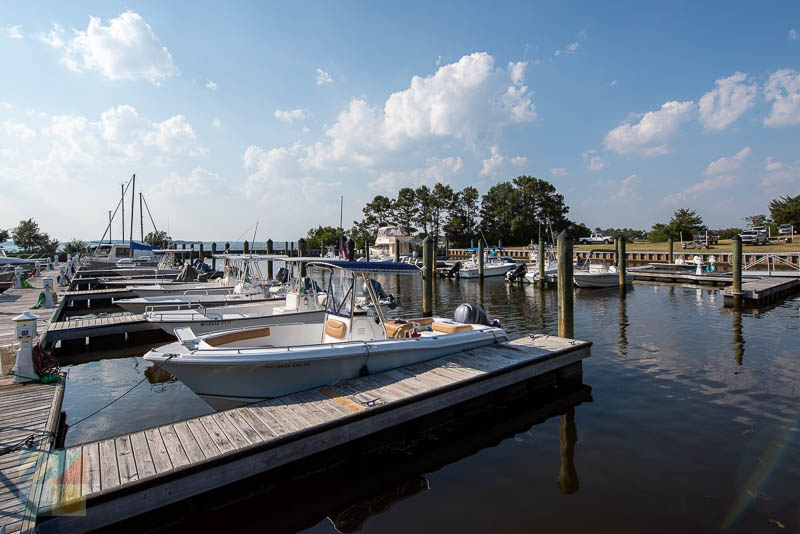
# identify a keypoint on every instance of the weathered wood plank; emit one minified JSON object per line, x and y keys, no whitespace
{"x":158,"y":451}
{"x":241,"y":424}
{"x":204,"y":440}
{"x":109,"y":469}
{"x":221,"y":441}
{"x":173,"y":445}
{"x":126,"y":460}
{"x":91,"y":455}
{"x":141,"y":455}
{"x":233,"y":434}
{"x":193,"y":451}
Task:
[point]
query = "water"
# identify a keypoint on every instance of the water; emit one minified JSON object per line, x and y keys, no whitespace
{"x":693,"y":425}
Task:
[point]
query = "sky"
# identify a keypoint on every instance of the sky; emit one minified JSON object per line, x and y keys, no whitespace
{"x":235,"y":113}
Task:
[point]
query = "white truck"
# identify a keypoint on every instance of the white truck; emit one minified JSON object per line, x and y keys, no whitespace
{"x":596,"y":239}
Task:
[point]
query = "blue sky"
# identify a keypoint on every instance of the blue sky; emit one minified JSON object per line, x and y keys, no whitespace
{"x":233,"y":113}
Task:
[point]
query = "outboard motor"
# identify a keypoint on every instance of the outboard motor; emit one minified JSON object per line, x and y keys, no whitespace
{"x":283,"y":275}
{"x":378,"y":289}
{"x":471,"y":314}
{"x":517,"y":273}
{"x":454,"y":270}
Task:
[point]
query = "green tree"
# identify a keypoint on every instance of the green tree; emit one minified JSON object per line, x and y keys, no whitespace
{"x":728,"y":233}
{"x":684,"y":222}
{"x":28,"y":237}
{"x":322,"y":235}
{"x":462,"y":217}
{"x":362,"y":233}
{"x":159,"y":239}
{"x":425,"y":201}
{"x":756,"y":220}
{"x":498,"y":209}
{"x":406,"y":210}
{"x":540,"y":206}
{"x":4,"y":235}
{"x":378,"y":212}
{"x":786,"y":210}
{"x":442,"y":199}
{"x":577,"y":230}
{"x":76,"y":246}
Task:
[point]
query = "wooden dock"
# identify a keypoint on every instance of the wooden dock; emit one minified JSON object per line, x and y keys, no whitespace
{"x":30,"y":410}
{"x":80,"y":329}
{"x":97,"y":294}
{"x":16,"y":301}
{"x":762,"y":291}
{"x":132,"y":474}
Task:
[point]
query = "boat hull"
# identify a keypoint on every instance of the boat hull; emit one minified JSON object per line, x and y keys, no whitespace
{"x":140,"y":305}
{"x":598,"y":280}
{"x":488,"y":271}
{"x":229,"y":378}
{"x":201,"y":324}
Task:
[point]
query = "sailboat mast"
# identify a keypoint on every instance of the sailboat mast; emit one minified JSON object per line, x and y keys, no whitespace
{"x":341,"y":210}
{"x":133,"y":198}
{"x":122,"y":203}
{"x":141,"y":218}
{"x":109,"y":226}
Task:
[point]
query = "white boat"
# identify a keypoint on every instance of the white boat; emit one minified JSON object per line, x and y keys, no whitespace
{"x":236,"y":367}
{"x":596,"y":273}
{"x":550,"y":265}
{"x":8,"y":260}
{"x":129,"y":254}
{"x":493,"y":265}
{"x":391,"y":242}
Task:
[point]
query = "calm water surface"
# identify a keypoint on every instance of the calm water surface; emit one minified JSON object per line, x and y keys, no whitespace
{"x":693,"y":425}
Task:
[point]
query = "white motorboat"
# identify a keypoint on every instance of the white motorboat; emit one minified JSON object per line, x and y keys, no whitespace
{"x":390,"y":243}
{"x":596,"y":273}
{"x":493,"y":265}
{"x":236,"y":367}
{"x":8,"y":260}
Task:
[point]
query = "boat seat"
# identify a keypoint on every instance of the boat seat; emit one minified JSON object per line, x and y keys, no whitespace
{"x":397,"y":330}
{"x":450,"y":328}
{"x":241,"y":335}
{"x":335,"y":328}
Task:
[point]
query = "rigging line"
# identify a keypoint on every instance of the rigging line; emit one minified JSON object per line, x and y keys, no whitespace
{"x":150,"y":214}
{"x":245,"y":232}
{"x":119,"y":203}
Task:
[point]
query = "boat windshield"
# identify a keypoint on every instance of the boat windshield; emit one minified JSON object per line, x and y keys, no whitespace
{"x":341,"y":294}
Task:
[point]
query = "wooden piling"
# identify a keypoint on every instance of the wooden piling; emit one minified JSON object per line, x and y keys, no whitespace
{"x":246,"y":247}
{"x":201,"y":254}
{"x":736,"y":263}
{"x":621,"y":260}
{"x":540,"y":260}
{"x":351,"y":249}
{"x":191,"y":253}
{"x":183,"y":252}
{"x":428,"y":273}
{"x":671,"y":248}
{"x":366,"y":249}
{"x":213,"y":259}
{"x":269,"y":262}
{"x":301,"y":251}
{"x":566,"y":324}
{"x":227,"y":248}
{"x":480,"y":260}
{"x":397,"y":250}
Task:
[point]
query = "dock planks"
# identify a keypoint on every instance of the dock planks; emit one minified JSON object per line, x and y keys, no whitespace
{"x":132,"y":474}
{"x":101,"y":326}
{"x":30,"y":409}
{"x":763,"y":290}
{"x":16,"y":301}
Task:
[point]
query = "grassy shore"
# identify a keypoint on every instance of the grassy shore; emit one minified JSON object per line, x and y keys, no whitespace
{"x":723,"y":247}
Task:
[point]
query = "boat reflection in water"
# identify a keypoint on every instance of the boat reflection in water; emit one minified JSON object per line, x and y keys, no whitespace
{"x":350,"y":484}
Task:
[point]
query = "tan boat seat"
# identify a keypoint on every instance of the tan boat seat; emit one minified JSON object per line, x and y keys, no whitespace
{"x":242,"y":335}
{"x":397,"y":330}
{"x":335,"y":328}
{"x":447,"y":328}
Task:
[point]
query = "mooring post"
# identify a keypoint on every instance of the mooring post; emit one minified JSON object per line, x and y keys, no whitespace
{"x":671,"y":248}
{"x":540,"y":260}
{"x":213,"y":254}
{"x":472,"y":243}
{"x":301,"y":248}
{"x":566,"y":325}
{"x":736,"y":260}
{"x":366,"y":248}
{"x":480,"y":260}
{"x":351,"y":249}
{"x":446,"y":249}
{"x":568,"y":475}
{"x":201,"y":253}
{"x":397,"y":250}
{"x":227,"y":248}
{"x":246,"y":248}
{"x":427,"y":277}
{"x":191,"y":253}
{"x":621,"y":261}
{"x":183,"y":252}
{"x":269,"y":262}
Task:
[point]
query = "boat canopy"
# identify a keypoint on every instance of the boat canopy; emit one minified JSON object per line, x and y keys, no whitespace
{"x":474,"y":249}
{"x":376,"y":267}
{"x":249,"y":257}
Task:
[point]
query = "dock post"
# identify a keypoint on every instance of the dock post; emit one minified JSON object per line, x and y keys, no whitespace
{"x":736,"y":260}
{"x":446,"y":249}
{"x":480,"y":260}
{"x":213,"y":259}
{"x":671,"y":248}
{"x":621,"y":260}
{"x":540,"y":260}
{"x":269,"y":262}
{"x":366,"y":248}
{"x":566,"y":324}
{"x":301,"y":251}
{"x":427,"y":276}
{"x":246,"y":247}
{"x":191,"y":253}
{"x":201,"y":253}
{"x":351,"y":249}
{"x":227,"y":248}
{"x":397,"y":250}
{"x":472,"y":243}
{"x":183,"y":253}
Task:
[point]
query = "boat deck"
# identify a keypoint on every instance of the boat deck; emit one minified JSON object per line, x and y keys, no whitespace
{"x":16,"y":301}
{"x":131,"y":474}
{"x":763,"y":290}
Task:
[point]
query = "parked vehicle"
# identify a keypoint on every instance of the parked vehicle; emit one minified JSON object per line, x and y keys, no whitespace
{"x":707,"y":237}
{"x":785,"y":229}
{"x":753,"y":237}
{"x":596,"y":239}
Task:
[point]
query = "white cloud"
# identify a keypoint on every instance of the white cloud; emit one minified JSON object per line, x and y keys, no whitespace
{"x":592,"y":160}
{"x":792,"y":34}
{"x":199,"y":182}
{"x":19,"y":130}
{"x":53,"y":37}
{"x":626,"y":191}
{"x":570,"y":49}
{"x":494,"y":161}
{"x":211,"y":85}
{"x":438,"y":61}
{"x":651,"y":135}
{"x":771,"y":165}
{"x":727,"y":102}
{"x":782,"y":177}
{"x":783,"y":90}
{"x":216,"y":123}
{"x":710,"y":184}
{"x":612,"y":83}
{"x":323,"y":78}
{"x":121,"y":135}
{"x":291,"y":115}
{"x":519,"y":161}
{"x":559,"y":171}
{"x":13,"y":32}
{"x":6,"y":105}
{"x":436,"y":170}
{"x":728,"y":164}
{"x":125,"y":49}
